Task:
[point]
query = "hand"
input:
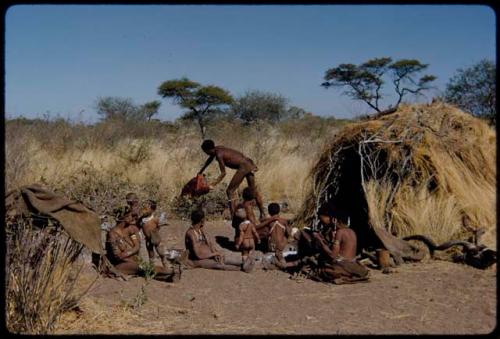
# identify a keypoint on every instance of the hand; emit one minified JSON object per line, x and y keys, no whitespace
{"x":317,"y":236}
{"x":211,"y":186}
{"x":237,"y":247}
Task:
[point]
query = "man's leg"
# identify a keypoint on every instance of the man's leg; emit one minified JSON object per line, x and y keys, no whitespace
{"x":214,"y":265}
{"x":233,"y":185}
{"x":258,"y":198}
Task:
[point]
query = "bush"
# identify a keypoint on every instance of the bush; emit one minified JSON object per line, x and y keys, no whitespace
{"x":41,"y":273}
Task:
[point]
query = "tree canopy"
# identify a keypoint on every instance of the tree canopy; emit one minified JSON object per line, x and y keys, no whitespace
{"x":202,"y":102}
{"x":366,"y":81}
{"x":473,"y":89}
{"x":125,"y":109}
{"x":260,"y":105}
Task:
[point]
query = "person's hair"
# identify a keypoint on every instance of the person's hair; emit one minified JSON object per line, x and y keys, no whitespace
{"x":326,"y":210}
{"x":273,"y":208}
{"x":151,"y":204}
{"x":131,"y":197}
{"x":248,"y":194}
{"x":208,"y":145}
{"x":197,"y":216}
{"x":340,"y":215}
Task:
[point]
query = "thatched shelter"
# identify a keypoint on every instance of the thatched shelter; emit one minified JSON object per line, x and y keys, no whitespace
{"x":427,"y":169}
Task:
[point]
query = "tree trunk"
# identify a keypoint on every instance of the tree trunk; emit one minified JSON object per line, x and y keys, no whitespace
{"x":202,"y":128}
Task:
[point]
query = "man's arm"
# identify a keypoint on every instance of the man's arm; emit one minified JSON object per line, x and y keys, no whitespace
{"x":323,"y":244}
{"x":336,"y":244}
{"x":266,"y":222}
{"x":208,"y":162}
{"x":222,"y":168}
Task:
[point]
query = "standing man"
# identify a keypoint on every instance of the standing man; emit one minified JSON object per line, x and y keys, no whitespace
{"x":245,"y":168}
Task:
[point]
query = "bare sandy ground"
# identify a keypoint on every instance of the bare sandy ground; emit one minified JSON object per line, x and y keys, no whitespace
{"x":431,"y":297}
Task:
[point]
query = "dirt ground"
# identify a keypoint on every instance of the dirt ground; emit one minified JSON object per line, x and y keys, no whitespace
{"x":431,"y":297}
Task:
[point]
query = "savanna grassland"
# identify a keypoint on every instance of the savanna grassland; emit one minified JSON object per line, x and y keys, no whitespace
{"x":100,"y":163}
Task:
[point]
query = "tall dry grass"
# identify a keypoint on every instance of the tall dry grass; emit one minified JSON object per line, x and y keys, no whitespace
{"x":41,"y":270}
{"x":99,"y":164}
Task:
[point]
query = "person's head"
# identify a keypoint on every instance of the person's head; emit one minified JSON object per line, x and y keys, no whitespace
{"x":248,"y":194}
{"x":240,"y":213}
{"x":273,"y":209}
{"x":340,"y":217}
{"x":197,"y":217}
{"x":208,"y":146}
{"x":130,"y":218}
{"x":149,"y":207}
{"x":325,"y":214}
{"x":132,"y":199}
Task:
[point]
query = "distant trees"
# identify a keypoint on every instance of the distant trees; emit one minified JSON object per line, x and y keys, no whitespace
{"x":204,"y":103}
{"x":259,"y":105}
{"x":365,"y":81}
{"x":124,"y":109}
{"x":473,"y":89}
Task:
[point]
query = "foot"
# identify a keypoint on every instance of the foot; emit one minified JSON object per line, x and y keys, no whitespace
{"x":176,"y":276}
{"x":249,"y":264}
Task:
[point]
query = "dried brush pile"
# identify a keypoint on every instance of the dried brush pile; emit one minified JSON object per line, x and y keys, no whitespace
{"x":424,"y":169}
{"x":41,"y":270}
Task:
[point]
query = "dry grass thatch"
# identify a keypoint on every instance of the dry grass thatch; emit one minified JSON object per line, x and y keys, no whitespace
{"x":426,"y":169}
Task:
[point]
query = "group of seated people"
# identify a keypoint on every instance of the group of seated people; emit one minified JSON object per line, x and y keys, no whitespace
{"x":327,"y":249}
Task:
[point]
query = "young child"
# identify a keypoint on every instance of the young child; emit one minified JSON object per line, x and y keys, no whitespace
{"x":247,"y":236}
{"x":278,"y":234}
{"x":150,"y":225}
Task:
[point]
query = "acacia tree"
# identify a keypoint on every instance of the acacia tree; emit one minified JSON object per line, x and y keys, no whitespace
{"x":149,"y":109}
{"x":473,"y":89}
{"x":203,"y":102}
{"x":111,"y":108}
{"x":365,"y":81}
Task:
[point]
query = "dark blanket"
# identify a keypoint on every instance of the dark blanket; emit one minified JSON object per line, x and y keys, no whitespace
{"x":81,"y":224}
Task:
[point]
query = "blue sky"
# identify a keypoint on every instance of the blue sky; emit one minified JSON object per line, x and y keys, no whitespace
{"x":61,"y":58}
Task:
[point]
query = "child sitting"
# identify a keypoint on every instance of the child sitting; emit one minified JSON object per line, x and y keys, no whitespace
{"x":150,"y":225}
{"x":278,"y":234}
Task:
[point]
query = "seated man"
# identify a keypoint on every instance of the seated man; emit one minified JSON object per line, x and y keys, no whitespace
{"x":202,"y":251}
{"x":246,"y":238}
{"x":337,"y":246}
{"x":122,"y":245}
{"x":278,"y":237}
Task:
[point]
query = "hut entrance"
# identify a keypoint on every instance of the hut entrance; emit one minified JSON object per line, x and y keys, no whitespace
{"x":350,"y":197}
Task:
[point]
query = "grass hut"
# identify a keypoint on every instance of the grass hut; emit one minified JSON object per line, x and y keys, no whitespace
{"x":425,"y":169}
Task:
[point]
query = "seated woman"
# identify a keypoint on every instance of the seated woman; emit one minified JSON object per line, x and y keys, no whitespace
{"x":123,"y":245}
{"x":335,"y":244}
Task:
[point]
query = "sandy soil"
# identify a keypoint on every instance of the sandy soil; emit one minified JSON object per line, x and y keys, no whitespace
{"x":431,"y":297}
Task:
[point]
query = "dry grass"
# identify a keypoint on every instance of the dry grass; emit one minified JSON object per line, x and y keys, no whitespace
{"x":100,"y":164}
{"x":41,"y":274}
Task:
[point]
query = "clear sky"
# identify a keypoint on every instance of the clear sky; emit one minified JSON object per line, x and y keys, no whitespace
{"x":61,"y":58}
